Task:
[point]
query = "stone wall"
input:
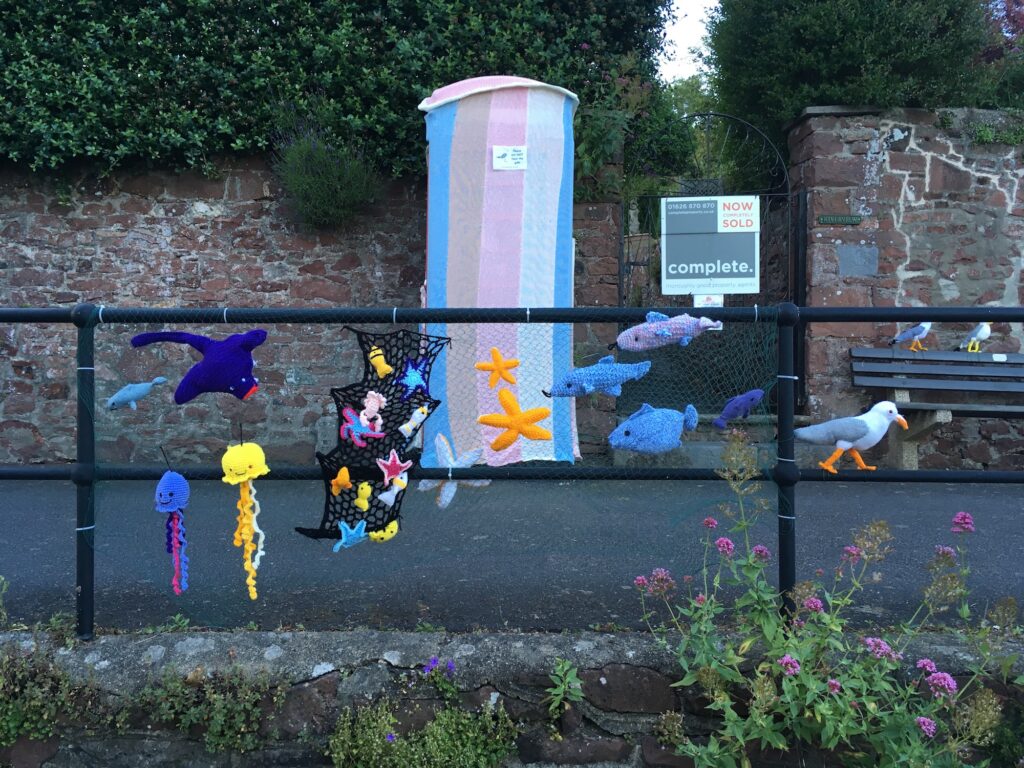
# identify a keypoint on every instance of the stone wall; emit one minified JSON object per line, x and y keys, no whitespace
{"x":164,"y":239}
{"x":627,"y":683}
{"x":942,"y":225}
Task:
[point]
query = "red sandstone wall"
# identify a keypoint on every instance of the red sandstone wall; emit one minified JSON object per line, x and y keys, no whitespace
{"x":167,"y":239}
{"x":943,"y":225}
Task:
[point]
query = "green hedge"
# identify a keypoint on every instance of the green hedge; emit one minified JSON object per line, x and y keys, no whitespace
{"x":769,"y":60}
{"x":178,"y":82}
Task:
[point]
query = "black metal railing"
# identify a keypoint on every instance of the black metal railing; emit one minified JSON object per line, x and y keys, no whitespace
{"x":85,"y":472}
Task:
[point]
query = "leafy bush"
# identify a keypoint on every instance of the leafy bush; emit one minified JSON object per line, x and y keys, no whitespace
{"x":767,"y":61}
{"x":229,"y":707}
{"x":324,"y":183}
{"x":813,"y":680}
{"x":35,"y":696}
{"x":179,"y":83}
{"x":367,"y":739}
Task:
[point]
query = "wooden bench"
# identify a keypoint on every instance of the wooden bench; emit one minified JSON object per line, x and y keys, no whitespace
{"x":938,"y":382}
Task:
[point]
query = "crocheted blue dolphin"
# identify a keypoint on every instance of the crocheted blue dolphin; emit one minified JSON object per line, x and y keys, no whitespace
{"x":653,"y":430}
{"x":226,"y":365}
{"x":606,"y":376}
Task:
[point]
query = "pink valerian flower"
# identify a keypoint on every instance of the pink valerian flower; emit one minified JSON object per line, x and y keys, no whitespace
{"x":963,"y":523}
{"x":927,"y":665}
{"x":762,"y":553}
{"x":799,"y":623}
{"x":661,"y":583}
{"x":710,"y":523}
{"x":584,"y":46}
{"x":852,"y":555}
{"x":946,"y":554}
{"x":700,"y":599}
{"x":640,"y":582}
{"x":725,"y":546}
{"x":881,"y":649}
{"x":687,"y":579}
{"x":819,"y":572}
{"x":790,"y":666}
{"x":814,"y":605}
{"x":941,"y":684}
{"x":834,"y":686}
{"x":927,"y":726}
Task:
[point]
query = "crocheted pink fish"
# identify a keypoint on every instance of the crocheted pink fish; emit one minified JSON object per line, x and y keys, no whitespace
{"x":660,"y":330}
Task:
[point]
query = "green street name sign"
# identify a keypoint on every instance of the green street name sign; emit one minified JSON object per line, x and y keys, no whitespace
{"x":851,"y":220}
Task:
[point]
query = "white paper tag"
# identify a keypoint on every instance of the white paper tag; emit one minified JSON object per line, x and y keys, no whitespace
{"x":508,"y":158}
{"x":704,"y":300}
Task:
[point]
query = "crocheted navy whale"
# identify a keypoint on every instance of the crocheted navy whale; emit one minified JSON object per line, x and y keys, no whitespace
{"x":226,"y":365}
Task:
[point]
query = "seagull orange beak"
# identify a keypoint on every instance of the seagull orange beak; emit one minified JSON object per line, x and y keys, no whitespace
{"x":902,"y":422}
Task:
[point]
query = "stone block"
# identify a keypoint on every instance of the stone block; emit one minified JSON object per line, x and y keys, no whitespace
{"x":625,"y":688}
{"x":310,"y":706}
{"x":538,"y":747}
{"x":657,"y":756}
{"x":910,"y":162}
{"x":946,"y":177}
{"x":835,"y":172}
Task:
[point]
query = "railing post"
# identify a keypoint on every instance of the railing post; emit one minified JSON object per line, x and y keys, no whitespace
{"x":85,"y":317}
{"x":786,"y":473}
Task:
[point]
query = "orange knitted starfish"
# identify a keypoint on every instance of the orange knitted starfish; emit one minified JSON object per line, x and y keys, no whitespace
{"x":499,"y":368}
{"x":515,"y":422}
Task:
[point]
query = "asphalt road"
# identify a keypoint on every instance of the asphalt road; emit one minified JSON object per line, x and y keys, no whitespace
{"x":516,"y":555}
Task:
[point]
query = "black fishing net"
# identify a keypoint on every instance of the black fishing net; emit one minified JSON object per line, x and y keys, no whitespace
{"x":397,"y":367}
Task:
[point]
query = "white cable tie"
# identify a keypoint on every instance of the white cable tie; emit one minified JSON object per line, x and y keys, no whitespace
{"x":394,"y":315}
{"x":779,"y":458}
{"x":527,"y":314}
{"x":225,"y":315}
{"x":89,"y":368}
{"x":449,"y":473}
{"x":755,"y":313}
{"x":786,"y":517}
{"x":101,"y":313}
{"x":784,"y":376}
{"x":86,"y":528}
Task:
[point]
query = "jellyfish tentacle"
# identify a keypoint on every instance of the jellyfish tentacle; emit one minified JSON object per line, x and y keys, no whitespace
{"x":183,"y":542}
{"x":260,"y":536}
{"x":175,"y":553}
{"x":244,"y":535}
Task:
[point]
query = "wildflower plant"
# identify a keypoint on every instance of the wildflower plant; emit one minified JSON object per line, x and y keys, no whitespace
{"x":809,"y":678}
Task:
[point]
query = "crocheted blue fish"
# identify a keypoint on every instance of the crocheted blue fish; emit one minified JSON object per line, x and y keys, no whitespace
{"x":653,"y":430}
{"x":226,"y":365}
{"x":130,"y":393}
{"x":739,"y":407}
{"x":606,"y":376}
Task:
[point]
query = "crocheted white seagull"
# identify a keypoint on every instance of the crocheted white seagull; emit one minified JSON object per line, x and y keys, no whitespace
{"x":972,"y":342}
{"x":853,"y":433}
{"x":914,"y":336}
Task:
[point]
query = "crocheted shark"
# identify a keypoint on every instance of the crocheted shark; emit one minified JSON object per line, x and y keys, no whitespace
{"x":226,"y":365}
{"x":606,"y":376}
{"x":130,"y":393}
{"x":653,"y":430}
{"x":660,"y":330}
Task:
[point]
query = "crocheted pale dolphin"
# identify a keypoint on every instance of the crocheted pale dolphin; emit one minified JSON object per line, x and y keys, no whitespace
{"x":606,"y":376}
{"x":129,"y":394}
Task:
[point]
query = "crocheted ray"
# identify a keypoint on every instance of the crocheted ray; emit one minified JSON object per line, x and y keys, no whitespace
{"x":409,"y":404}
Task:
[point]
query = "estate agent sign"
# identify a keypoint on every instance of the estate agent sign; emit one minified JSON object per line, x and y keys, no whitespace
{"x":710,"y":245}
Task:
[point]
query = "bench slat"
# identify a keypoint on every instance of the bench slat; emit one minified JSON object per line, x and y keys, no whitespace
{"x":938,"y":369}
{"x":966,"y":358}
{"x":976,"y":410}
{"x":949,"y":385}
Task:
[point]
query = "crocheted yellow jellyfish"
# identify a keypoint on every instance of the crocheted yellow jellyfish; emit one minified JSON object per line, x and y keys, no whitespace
{"x":242,"y":464}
